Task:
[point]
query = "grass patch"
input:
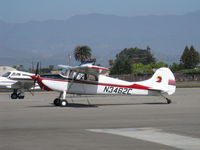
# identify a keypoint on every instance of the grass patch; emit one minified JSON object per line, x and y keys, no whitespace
{"x":188,"y":84}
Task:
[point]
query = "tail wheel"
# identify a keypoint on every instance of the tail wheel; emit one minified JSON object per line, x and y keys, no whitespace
{"x":168,"y":101}
{"x":63,"y":103}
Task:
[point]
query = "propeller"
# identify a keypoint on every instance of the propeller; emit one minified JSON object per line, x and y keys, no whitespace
{"x":37,"y":67}
{"x":36,"y":73}
{"x":35,"y":76}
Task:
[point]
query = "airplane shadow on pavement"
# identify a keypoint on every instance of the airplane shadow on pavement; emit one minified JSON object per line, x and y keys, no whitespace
{"x":79,"y":105}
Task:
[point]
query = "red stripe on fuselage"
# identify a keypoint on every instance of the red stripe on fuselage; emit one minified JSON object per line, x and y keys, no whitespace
{"x":43,"y":86}
{"x":133,"y":86}
{"x":99,"y":68}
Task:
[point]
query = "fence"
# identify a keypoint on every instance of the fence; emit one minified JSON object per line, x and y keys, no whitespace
{"x":180,"y":77}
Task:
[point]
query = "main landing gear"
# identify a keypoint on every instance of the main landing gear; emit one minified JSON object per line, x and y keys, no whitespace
{"x":61,"y":100}
{"x":16,"y":94}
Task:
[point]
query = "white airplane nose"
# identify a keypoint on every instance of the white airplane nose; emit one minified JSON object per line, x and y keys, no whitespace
{"x":3,"y":78}
{"x":55,"y":85}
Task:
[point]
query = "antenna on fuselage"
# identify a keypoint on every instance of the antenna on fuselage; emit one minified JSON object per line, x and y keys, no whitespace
{"x":32,"y":66}
{"x":68,"y":56}
{"x":40,"y":63}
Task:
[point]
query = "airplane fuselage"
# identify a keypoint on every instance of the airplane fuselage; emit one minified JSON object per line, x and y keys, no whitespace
{"x":104,"y":85}
{"x":18,"y":81}
{"x":87,"y":80}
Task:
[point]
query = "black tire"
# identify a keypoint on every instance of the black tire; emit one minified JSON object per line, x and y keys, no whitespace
{"x":14,"y":96}
{"x":169,"y":101}
{"x":63,"y":103}
{"x":21,"y":97}
{"x":56,"y":102}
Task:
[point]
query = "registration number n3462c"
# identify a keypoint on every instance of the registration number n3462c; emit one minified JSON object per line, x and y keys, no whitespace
{"x":117,"y":90}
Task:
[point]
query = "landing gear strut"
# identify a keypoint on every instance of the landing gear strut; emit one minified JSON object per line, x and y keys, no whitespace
{"x":16,"y":94}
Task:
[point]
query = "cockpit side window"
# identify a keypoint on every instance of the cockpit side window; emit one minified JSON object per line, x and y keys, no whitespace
{"x":65,"y":73}
{"x":92,"y":78}
{"x":16,"y":74}
{"x":79,"y":76}
{"x":73,"y":75}
{"x":6,"y":74}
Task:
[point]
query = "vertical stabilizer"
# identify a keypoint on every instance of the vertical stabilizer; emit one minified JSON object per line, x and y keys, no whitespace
{"x":163,"y":80}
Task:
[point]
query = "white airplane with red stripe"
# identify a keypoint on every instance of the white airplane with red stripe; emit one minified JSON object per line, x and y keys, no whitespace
{"x":89,"y":79}
{"x":19,"y":82}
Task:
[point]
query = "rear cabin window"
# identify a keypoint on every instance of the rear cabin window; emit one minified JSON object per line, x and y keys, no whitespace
{"x":80,"y":76}
{"x":86,"y":77}
{"x":25,"y":75}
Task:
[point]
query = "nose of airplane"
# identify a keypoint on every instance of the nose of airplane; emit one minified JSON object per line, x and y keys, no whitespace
{"x":34,"y":77}
{"x":3,"y":78}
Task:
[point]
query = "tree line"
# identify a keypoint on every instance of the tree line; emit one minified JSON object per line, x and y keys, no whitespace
{"x":136,"y":60}
{"x":141,"y":61}
{"x":189,"y":59}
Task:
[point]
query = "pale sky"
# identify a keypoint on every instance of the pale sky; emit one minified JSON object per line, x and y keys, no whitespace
{"x":39,"y":10}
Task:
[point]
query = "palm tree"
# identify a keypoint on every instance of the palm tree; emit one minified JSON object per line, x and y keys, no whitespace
{"x":82,"y":53}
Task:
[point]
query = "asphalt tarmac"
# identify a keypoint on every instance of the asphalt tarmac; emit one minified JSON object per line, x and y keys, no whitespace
{"x":106,"y":123}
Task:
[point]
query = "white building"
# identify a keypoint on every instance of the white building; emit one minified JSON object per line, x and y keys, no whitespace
{"x":4,"y":69}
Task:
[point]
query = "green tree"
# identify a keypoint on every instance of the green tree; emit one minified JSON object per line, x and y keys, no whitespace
{"x":190,"y":58}
{"x":158,"y":65}
{"x":94,"y":60}
{"x":51,"y":67}
{"x":139,"y":68}
{"x":136,"y":55}
{"x":176,"y":67}
{"x":149,"y":56}
{"x":121,"y":66}
{"x":128,"y":56}
{"x":82,"y":53}
{"x":111,"y":62}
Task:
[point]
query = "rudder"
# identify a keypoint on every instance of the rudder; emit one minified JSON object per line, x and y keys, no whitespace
{"x":163,"y":79}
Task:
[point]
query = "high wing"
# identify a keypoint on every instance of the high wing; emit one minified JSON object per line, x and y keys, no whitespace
{"x":86,"y":68}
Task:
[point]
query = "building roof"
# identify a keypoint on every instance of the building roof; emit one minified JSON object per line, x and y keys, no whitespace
{"x":4,"y":69}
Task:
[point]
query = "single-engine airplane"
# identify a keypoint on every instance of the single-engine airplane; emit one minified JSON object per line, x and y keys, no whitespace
{"x":18,"y":81}
{"x":90,"y":79}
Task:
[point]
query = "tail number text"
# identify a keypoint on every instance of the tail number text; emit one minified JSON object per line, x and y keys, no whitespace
{"x":117,"y":90}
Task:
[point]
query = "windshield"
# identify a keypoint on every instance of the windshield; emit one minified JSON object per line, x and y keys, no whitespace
{"x":65,"y":73}
{"x":6,"y":74}
{"x":53,"y":76}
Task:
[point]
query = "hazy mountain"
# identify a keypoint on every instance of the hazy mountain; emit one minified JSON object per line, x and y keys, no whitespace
{"x":50,"y":41}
